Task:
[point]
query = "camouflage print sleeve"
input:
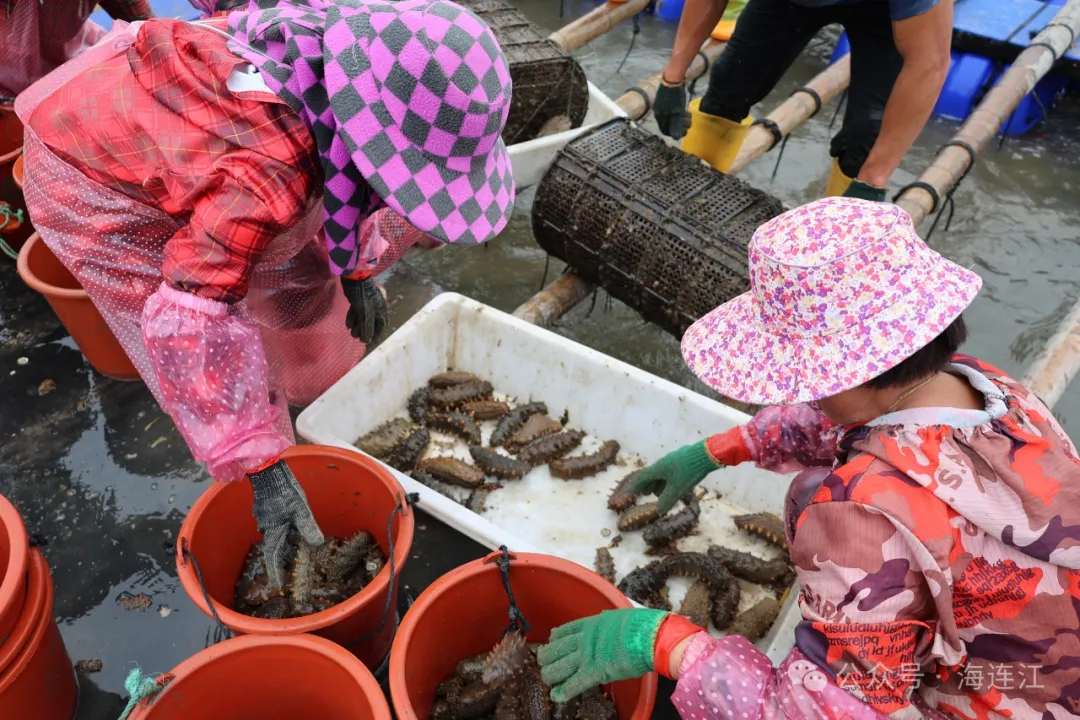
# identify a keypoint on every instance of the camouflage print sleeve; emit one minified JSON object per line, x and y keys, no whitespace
{"x":876,"y":601}
{"x":787,"y":438}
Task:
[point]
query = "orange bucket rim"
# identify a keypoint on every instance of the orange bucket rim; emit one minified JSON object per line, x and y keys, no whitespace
{"x":18,"y":556}
{"x":20,"y":646}
{"x":37,"y":283}
{"x":17,"y":171}
{"x":342,"y":657}
{"x":238,"y":622}
{"x":444,"y":584}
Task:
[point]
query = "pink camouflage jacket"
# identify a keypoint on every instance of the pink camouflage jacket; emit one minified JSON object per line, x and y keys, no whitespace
{"x":938,"y":561}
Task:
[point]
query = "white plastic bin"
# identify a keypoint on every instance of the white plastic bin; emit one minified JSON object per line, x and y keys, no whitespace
{"x":530,"y":159}
{"x":606,"y":398}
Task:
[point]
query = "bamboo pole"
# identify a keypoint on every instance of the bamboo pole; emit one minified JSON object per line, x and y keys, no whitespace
{"x":571,"y":288}
{"x":953,"y":161}
{"x":635,"y":106}
{"x":592,"y":25}
{"x":794,"y":111}
{"x":1057,"y":364}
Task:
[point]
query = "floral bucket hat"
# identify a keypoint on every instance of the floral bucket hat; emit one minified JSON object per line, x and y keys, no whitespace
{"x":406,"y":101}
{"x":841,"y":290}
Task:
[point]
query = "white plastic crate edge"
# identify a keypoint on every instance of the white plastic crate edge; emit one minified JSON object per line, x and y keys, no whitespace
{"x":780,"y":639}
{"x":531,"y":159}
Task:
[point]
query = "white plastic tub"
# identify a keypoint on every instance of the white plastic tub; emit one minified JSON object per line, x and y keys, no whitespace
{"x":530,"y":159}
{"x":606,"y":398}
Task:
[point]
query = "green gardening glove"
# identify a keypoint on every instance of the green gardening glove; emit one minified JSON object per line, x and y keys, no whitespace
{"x":864,"y":191}
{"x":614,"y":645}
{"x":673,"y":475}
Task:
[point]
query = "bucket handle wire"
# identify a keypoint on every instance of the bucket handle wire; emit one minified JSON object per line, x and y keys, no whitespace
{"x":220,"y":631}
{"x":502,"y":559}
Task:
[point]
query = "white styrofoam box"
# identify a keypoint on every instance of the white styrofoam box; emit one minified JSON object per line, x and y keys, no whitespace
{"x":531,"y":159}
{"x":605,"y":397}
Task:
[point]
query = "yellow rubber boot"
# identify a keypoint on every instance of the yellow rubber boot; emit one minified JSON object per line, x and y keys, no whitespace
{"x":838,"y":181}
{"x":715,"y":140}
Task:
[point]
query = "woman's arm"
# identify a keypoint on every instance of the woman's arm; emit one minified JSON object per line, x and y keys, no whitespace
{"x":868,"y":629}
{"x":699,"y":17}
{"x":788,"y":438}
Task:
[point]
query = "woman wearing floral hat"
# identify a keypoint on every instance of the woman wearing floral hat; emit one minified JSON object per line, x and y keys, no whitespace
{"x":934,"y":528}
{"x":226,"y":191}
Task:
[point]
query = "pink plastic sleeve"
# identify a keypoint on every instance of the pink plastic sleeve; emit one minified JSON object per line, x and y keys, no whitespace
{"x":789,"y":438}
{"x":209,"y":363}
{"x":730,"y":678}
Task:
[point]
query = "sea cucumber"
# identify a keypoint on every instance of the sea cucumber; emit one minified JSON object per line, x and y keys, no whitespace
{"x":337,"y":558}
{"x":478,"y":497}
{"x":725,"y":603}
{"x":381,"y":441}
{"x":418,"y":404}
{"x":548,"y":448}
{"x":535,"y":696}
{"x":453,"y":397}
{"x":698,"y":566}
{"x":494,"y":463}
{"x":513,"y":420}
{"x":474,"y":701}
{"x":374,"y":561}
{"x":486,"y":409}
{"x":595,"y":705}
{"x":621,"y":497}
{"x":643,"y":582}
{"x":537,"y":426}
{"x":409,"y":450}
{"x":574,"y":468}
{"x":453,"y":471}
{"x":637,"y":516}
{"x":697,"y":603}
{"x":451,"y":378}
{"x":506,"y":659}
{"x":303,"y":577}
{"x":668,"y":529}
{"x":754,"y":569}
{"x":764,"y":525}
{"x":438,"y":486}
{"x":457,"y":423}
{"x":605,"y":564}
{"x":471,"y":669}
{"x":755,"y":622}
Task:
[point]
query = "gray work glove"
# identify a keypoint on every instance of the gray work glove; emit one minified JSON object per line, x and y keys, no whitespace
{"x":669,"y":109}
{"x":368,"y":313}
{"x":280,"y":503}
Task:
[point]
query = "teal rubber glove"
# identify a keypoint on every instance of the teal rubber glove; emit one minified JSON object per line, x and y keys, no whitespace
{"x":614,"y":645}
{"x":673,"y":475}
{"x":863,"y":191}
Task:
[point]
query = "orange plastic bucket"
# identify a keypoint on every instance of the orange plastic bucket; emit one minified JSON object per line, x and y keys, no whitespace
{"x":301,"y":676}
{"x":14,"y":561}
{"x":464,"y":613}
{"x":11,"y":141}
{"x":348,"y":492}
{"x":44,"y":272}
{"x":36,"y":677}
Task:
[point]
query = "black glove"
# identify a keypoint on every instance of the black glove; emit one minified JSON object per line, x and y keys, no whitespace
{"x":863,"y":191}
{"x":368,"y":314}
{"x":280,"y":503}
{"x":670,"y":111}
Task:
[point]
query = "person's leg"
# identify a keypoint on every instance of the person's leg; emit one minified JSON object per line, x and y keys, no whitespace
{"x":769,"y":36}
{"x":875,"y":65}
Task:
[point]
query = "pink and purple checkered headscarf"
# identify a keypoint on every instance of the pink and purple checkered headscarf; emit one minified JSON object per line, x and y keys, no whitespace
{"x":406,"y":100}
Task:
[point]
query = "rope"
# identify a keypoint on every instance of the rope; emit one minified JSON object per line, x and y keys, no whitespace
{"x":1072,"y":33}
{"x":645,"y":97}
{"x":935,"y":198}
{"x":409,"y":500}
{"x":633,"y":39}
{"x":1048,"y":46}
{"x":517,"y":618}
{"x":692,"y":89}
{"x":220,"y":631}
{"x":773,"y":128}
{"x":140,"y":687}
{"x":6,"y":214}
{"x":813,"y":96}
{"x":839,"y":106}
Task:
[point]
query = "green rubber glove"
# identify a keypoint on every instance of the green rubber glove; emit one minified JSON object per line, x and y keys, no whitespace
{"x":669,"y":109}
{"x":863,"y":191}
{"x":614,"y":645}
{"x":673,"y":475}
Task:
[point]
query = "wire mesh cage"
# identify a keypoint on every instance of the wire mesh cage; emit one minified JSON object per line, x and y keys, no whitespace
{"x":657,"y":228}
{"x":548,"y":82}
